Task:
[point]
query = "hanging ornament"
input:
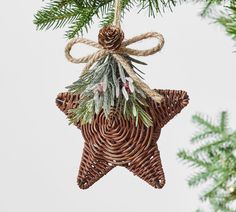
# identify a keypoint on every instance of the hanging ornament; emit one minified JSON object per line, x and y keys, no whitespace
{"x":115,"y":141}
{"x":119,"y":115}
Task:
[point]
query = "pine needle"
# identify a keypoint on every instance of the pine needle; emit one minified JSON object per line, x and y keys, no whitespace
{"x":103,"y":87}
{"x":215,"y":161}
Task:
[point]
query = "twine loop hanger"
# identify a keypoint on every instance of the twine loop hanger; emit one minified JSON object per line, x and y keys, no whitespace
{"x":118,"y":54}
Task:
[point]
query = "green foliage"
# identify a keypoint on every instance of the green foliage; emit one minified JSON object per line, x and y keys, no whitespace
{"x":215,"y":161}
{"x":223,"y":12}
{"x":210,"y":6}
{"x":109,"y":16}
{"x":228,"y":20}
{"x":78,"y":15}
{"x":108,"y":85}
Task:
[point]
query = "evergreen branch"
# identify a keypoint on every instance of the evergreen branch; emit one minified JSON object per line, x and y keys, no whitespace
{"x":201,"y":136}
{"x":85,"y":18}
{"x":216,"y":161}
{"x":198,"y":178}
{"x":228,"y":20}
{"x":193,"y":160}
{"x":206,"y":124}
{"x":155,"y":7}
{"x":210,"y":146}
{"x":223,"y":121}
{"x":56,"y":14}
{"x":210,"y":191}
{"x":109,"y":17}
{"x":225,"y":17}
{"x":210,"y":4}
{"x":80,"y":23}
{"x":84,"y":112}
{"x":138,"y":111}
{"x":105,"y":86}
{"x":78,"y":15}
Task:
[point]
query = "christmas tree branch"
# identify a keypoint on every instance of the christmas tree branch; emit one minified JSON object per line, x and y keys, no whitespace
{"x":199,"y":178}
{"x":79,"y":14}
{"x":56,"y":14}
{"x":205,"y":124}
{"x":222,"y":12}
{"x":193,"y":160}
{"x":109,"y":17}
{"x":228,"y":20}
{"x":215,"y":159}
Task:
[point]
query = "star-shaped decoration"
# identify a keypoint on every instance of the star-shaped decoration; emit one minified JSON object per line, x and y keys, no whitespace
{"x":115,"y":141}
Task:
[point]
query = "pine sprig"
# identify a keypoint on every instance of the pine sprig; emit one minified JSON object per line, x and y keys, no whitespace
{"x":209,"y":7}
{"x":192,"y":160}
{"x":155,"y":6}
{"x":222,"y":12}
{"x":223,"y":121}
{"x":228,"y":20}
{"x":108,"y":15}
{"x":199,"y":178}
{"x":215,"y":159}
{"x":56,"y":14}
{"x":80,"y":23}
{"x":205,"y":123}
{"x":105,"y":86}
{"x":78,"y":15}
{"x":200,"y":136}
{"x":210,"y":145}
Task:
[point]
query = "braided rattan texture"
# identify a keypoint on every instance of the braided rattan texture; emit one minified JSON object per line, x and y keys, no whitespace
{"x":115,"y":141}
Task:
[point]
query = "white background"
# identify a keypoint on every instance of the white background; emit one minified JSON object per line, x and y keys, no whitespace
{"x":40,"y":153}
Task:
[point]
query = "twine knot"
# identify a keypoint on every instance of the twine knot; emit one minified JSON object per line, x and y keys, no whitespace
{"x":110,"y":42}
{"x":118,"y":53}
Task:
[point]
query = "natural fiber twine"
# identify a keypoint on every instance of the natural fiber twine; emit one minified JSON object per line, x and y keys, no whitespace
{"x":118,"y":54}
{"x":115,"y":141}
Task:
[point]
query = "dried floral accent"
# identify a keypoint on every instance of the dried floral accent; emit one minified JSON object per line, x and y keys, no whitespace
{"x":101,"y":88}
{"x":128,"y":85}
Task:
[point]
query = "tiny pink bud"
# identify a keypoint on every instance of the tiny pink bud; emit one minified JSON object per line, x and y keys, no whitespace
{"x":100,"y":87}
{"x":126,"y":85}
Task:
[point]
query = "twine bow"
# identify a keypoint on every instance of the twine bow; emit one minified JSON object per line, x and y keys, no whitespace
{"x":118,"y":55}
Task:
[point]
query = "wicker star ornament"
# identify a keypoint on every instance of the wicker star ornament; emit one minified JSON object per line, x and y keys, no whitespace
{"x":116,"y":141}
{"x":119,"y":115}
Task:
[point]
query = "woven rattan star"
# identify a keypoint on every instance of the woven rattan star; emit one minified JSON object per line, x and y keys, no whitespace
{"x":115,"y":141}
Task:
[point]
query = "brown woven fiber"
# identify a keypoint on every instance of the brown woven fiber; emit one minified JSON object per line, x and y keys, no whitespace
{"x":115,"y":141}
